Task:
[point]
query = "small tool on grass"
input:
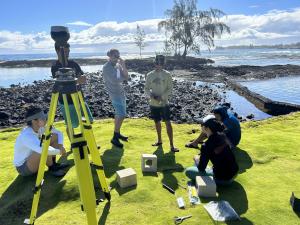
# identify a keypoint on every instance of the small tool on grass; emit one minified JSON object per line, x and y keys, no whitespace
{"x":179,"y":220}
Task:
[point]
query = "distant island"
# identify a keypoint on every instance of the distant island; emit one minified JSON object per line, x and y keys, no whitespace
{"x":251,"y":46}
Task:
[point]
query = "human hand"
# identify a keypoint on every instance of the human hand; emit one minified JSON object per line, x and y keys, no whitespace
{"x":81,"y":79}
{"x":62,"y":150}
{"x":121,"y":61}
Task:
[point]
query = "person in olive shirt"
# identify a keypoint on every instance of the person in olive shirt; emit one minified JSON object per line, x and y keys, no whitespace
{"x":217,"y":150}
{"x":159,"y":87}
{"x":81,"y":79}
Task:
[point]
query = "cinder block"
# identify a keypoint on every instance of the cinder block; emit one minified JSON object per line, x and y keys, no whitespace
{"x":126,"y":178}
{"x":206,"y":186}
{"x":149,"y":163}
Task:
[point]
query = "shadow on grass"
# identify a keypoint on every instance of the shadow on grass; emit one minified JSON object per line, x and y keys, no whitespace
{"x":16,"y":201}
{"x":111,"y":159}
{"x":150,"y":174}
{"x":243,"y":159}
{"x":121,"y":191}
{"x":297,"y":213}
{"x":104,"y":214}
{"x":236,"y":195}
{"x":167,"y":166}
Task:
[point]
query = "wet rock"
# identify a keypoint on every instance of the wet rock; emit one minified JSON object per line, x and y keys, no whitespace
{"x":250,"y":116}
{"x":4,"y":116}
{"x":188,"y":102}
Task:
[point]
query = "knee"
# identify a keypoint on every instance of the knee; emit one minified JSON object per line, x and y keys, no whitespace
{"x":54,"y":139}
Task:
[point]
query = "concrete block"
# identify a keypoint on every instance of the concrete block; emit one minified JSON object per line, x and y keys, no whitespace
{"x":149,"y":163}
{"x":126,"y":178}
{"x":206,"y":186}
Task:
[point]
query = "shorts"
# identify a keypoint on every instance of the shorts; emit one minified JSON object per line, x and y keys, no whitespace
{"x":160,"y":113}
{"x":73,"y":114}
{"x":119,"y":105}
{"x":23,"y":170}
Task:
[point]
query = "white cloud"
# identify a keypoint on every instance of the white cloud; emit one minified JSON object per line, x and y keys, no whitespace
{"x":254,"y":6}
{"x":276,"y":26}
{"x":80,"y":23}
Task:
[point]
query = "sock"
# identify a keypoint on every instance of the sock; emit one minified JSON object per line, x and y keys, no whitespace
{"x":116,"y":135}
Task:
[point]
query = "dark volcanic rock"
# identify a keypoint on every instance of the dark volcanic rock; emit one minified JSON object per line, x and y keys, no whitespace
{"x":188,"y":102}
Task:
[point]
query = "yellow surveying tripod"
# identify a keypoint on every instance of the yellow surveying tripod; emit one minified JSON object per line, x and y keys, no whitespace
{"x":82,"y":142}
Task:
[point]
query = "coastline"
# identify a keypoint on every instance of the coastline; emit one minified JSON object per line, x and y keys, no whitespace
{"x":191,"y":68}
{"x":189,"y":102}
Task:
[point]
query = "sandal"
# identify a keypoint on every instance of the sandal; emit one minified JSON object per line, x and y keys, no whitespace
{"x":173,"y":149}
{"x":157,"y":144}
{"x":190,"y":145}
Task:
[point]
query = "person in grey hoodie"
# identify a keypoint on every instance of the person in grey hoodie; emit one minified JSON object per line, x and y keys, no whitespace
{"x":114,"y":72}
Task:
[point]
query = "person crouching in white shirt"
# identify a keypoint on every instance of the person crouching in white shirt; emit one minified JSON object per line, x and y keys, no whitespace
{"x":27,"y":152}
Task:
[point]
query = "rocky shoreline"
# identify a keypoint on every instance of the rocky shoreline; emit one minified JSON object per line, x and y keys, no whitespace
{"x":188,"y":102}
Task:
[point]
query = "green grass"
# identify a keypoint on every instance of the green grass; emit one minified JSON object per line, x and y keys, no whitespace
{"x":268,"y":157}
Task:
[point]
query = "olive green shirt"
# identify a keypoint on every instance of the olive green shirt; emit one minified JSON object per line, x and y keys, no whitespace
{"x":159,"y":83}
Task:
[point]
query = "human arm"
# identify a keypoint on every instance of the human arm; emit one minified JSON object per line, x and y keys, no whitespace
{"x":169,"y":88}
{"x":32,"y":142}
{"x":123,"y":69}
{"x":147,"y":85}
{"x":204,"y":158}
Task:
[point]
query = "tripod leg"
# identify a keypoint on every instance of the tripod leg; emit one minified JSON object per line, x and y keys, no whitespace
{"x":67,"y":112}
{"x":45,"y":145}
{"x":83,"y":169}
{"x":84,"y":175}
{"x":97,"y":162}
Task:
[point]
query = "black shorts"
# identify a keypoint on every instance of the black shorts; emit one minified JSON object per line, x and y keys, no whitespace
{"x":160,"y":113}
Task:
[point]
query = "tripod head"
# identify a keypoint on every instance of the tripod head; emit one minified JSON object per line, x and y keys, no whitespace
{"x":61,"y":35}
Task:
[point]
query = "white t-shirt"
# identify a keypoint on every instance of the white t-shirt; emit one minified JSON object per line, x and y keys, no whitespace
{"x":28,"y":141}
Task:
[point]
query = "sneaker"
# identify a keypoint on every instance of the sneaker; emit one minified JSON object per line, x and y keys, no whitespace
{"x":61,"y":165}
{"x":173,"y":149}
{"x":116,"y":142}
{"x":122,"y":137}
{"x":57,"y":173}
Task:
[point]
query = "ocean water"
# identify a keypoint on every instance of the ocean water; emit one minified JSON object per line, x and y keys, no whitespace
{"x":255,"y":57}
{"x":285,"y":89}
{"x":24,"y":76}
{"x":239,"y":103}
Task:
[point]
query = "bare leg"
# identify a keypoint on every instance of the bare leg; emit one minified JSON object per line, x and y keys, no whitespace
{"x":33,"y":162}
{"x":158,"y":131}
{"x":170,"y":133}
{"x":118,"y":123}
{"x":200,"y":138}
{"x":54,"y":144}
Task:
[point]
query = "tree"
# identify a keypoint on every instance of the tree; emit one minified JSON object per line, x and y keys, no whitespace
{"x":187,"y":27}
{"x":140,"y":38}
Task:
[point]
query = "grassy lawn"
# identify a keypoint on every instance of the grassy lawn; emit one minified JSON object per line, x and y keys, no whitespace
{"x":268,"y":157}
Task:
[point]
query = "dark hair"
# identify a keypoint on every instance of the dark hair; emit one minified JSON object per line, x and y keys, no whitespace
{"x":214,"y":125}
{"x":160,"y":60}
{"x":30,"y":112}
{"x":57,"y":46}
{"x":112,"y":51}
{"x":222,"y":111}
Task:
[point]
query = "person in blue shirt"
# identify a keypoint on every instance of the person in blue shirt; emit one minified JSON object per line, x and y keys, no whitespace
{"x":231,"y":125}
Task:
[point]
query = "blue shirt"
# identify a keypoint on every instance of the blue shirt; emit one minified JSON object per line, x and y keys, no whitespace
{"x":233,"y":129}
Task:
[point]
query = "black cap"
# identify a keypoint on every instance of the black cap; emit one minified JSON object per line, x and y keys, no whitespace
{"x":160,"y":60}
{"x":34,"y":113}
{"x":214,"y":125}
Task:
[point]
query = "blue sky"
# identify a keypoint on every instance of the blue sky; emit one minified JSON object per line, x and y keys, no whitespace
{"x":37,"y":15}
{"x":25,"y":24}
